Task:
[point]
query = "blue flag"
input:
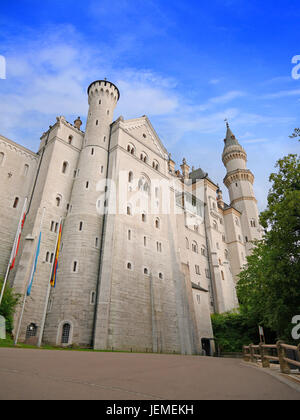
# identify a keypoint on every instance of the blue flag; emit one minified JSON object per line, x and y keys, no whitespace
{"x":33,"y":270}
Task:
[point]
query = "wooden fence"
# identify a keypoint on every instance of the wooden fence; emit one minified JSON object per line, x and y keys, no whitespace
{"x":262,"y":352}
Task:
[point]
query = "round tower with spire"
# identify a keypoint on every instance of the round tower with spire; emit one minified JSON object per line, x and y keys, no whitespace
{"x":74,"y":298}
{"x":239,"y":180}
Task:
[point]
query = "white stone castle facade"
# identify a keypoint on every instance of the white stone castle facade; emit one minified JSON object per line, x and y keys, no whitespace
{"x":148,"y":251}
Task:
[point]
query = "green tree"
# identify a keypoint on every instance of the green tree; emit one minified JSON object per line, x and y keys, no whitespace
{"x":295,"y":134}
{"x":269,"y":287}
{"x":8,"y":304}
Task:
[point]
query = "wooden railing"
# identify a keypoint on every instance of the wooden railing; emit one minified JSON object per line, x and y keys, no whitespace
{"x":254,"y":353}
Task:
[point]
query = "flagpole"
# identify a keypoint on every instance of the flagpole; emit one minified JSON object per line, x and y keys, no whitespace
{"x":12,"y":252}
{"x":48,"y":290}
{"x":24,"y":300}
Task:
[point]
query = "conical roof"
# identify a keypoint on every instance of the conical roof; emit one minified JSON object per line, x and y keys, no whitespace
{"x":230,"y":139}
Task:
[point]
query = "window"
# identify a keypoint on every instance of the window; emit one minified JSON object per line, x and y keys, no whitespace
{"x":107,"y":112}
{"x":146,"y":271}
{"x":31,"y":331}
{"x":70,"y":139}
{"x":187,"y":245}
{"x":51,"y":258}
{"x":145,"y":241}
{"x":158,"y":246}
{"x":207,"y":273}
{"x":222,"y":275}
{"x":26,"y":168}
{"x":160,"y":276}
{"x":100,"y":102}
{"x":129,"y":235}
{"x":246,"y":238}
{"x":80,"y":226}
{"x":129,"y":266}
{"x":65,"y":167}
{"x":128,"y":210}
{"x":92,"y":298}
{"x":56,"y":227}
{"x":101,"y":169}
{"x":155,"y":165}
{"x":87,"y":184}
{"x":96,"y":242}
{"x":226,"y":254}
{"x":203,"y":251}
{"x":157,"y":223}
{"x":16,"y":202}
{"x":144,"y":217}
{"x":104,"y":139}
{"x":198,"y":299}
{"x":97,"y":122}
{"x":131,"y":149}
{"x":58,"y":200}
{"x":195,"y":247}
{"x":143,"y":157}
{"x":130,"y":177}
{"x":75,"y":267}
{"x":47,"y":256}
{"x":65,"y":337}
{"x":197,"y":269}
{"x":92,"y":151}
{"x":1,"y":158}
{"x":252,"y":223}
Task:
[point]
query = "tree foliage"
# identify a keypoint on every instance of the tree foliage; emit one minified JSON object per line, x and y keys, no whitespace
{"x":269,"y":287}
{"x":7,"y":308}
{"x":295,"y":134}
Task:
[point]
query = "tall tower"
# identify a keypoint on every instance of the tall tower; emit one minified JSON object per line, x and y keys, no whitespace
{"x":239,"y":181}
{"x":73,"y":300}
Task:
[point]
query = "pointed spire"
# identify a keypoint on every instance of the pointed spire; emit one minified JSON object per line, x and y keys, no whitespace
{"x":230,"y":139}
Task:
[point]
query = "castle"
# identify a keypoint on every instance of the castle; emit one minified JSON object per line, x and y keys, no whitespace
{"x":147,"y":253}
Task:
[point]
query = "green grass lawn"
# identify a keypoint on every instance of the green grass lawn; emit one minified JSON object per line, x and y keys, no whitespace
{"x":9,"y":342}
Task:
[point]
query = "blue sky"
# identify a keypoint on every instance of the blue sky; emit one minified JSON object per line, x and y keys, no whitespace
{"x":187,"y":65}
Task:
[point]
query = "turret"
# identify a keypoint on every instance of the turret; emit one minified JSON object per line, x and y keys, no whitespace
{"x":78,"y":273}
{"x":239,"y":180}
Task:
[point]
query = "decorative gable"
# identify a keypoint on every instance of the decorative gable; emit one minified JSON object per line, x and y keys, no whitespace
{"x":142,"y":130}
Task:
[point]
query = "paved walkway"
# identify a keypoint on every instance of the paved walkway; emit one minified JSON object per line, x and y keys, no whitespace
{"x":41,"y":374}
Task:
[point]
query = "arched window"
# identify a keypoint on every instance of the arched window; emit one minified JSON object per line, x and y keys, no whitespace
{"x":1,"y":158}
{"x":65,"y":336}
{"x":65,"y":167}
{"x":58,"y":200}
{"x":31,"y":331}
{"x":26,"y":168}
{"x":144,"y":157}
{"x":70,"y":139}
{"x":195,"y":247}
{"x":130,"y":177}
{"x":155,"y":165}
{"x":160,"y":276}
{"x":157,"y":223}
{"x":203,"y":251}
{"x":16,"y":202}
{"x":129,"y":211}
{"x":187,"y":245}
{"x":131,"y":149}
{"x":129,"y":266}
{"x":146,"y":271}
{"x":93,"y":298}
